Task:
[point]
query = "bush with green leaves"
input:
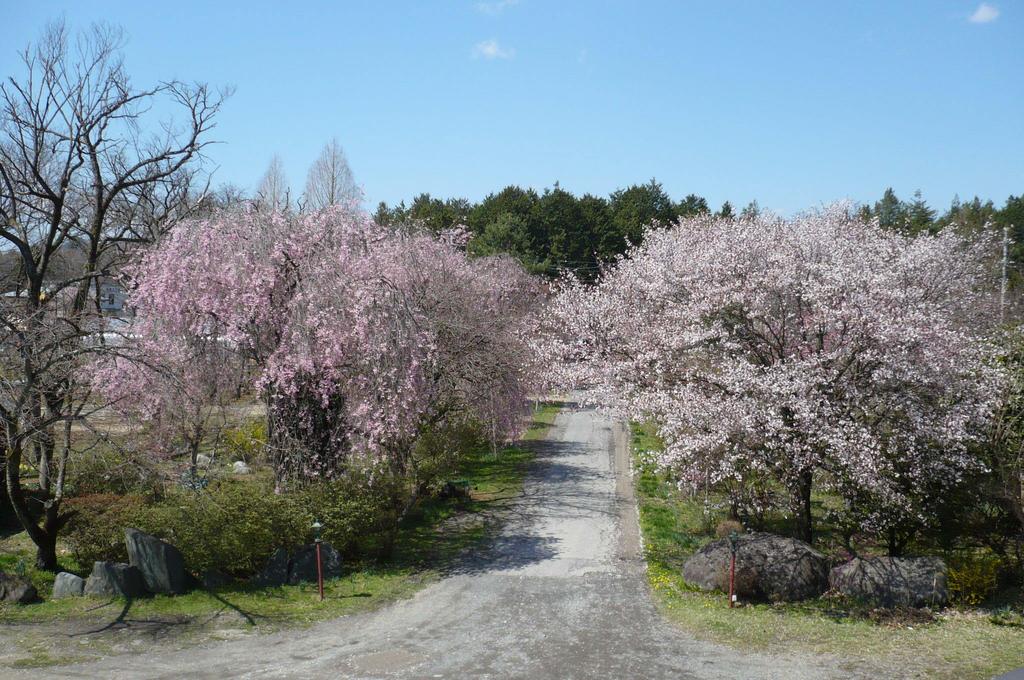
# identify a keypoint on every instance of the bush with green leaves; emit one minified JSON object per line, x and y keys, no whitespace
{"x":1007,"y":616}
{"x":105,"y":470}
{"x":247,"y":441}
{"x":972,"y":578}
{"x":232,"y":525}
{"x":235,"y":525}
{"x":355,"y":510}
{"x":95,"y":531}
{"x":439,"y":451}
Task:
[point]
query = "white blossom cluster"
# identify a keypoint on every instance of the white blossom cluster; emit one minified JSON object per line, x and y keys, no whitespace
{"x":769,"y":348}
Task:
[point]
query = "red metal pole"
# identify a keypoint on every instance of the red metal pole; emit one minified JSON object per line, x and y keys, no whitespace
{"x":319,"y":572}
{"x":732,"y":580}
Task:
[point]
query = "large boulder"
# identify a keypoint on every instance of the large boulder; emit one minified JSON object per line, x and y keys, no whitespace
{"x":17,"y":589}
{"x":303,"y":564}
{"x":893,"y":581}
{"x":768,"y":567}
{"x":68,"y":585}
{"x":162,"y":565}
{"x":275,"y":572}
{"x":112,"y":579}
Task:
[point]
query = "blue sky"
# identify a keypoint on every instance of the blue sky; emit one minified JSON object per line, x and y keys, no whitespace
{"x":791,"y":103}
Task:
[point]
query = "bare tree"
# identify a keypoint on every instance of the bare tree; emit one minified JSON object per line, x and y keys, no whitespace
{"x":274,"y":193}
{"x":84,"y":170}
{"x":330,"y":180}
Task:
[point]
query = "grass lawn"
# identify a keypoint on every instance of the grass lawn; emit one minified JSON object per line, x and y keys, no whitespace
{"x":431,"y":536}
{"x":955,"y":644}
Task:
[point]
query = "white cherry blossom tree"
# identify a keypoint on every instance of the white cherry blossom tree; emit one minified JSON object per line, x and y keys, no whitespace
{"x":815,"y":351}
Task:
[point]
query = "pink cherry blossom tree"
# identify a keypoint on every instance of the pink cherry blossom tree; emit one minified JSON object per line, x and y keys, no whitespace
{"x":819,"y":350}
{"x":172,"y":390}
{"x":361,"y":336}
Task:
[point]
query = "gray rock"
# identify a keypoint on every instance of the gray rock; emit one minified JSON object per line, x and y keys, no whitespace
{"x":893,"y":581}
{"x":162,"y":565}
{"x":459,"y":490}
{"x":303,"y":564}
{"x":214,"y":578}
{"x":68,"y":585}
{"x":110,"y":579}
{"x":202,"y":460}
{"x":275,"y":572}
{"x":17,"y":589}
{"x":768,"y":567}
{"x":240,"y":468}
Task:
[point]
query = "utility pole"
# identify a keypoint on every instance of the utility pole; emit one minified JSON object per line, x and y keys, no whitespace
{"x":1002,"y":281}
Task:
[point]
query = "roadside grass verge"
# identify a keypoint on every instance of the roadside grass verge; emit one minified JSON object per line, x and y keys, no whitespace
{"x":543,"y":418}
{"x":433,"y":534}
{"x":952,"y":644}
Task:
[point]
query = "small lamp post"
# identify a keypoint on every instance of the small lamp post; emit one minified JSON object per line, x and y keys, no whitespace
{"x":319,"y":564}
{"x":733,"y":543}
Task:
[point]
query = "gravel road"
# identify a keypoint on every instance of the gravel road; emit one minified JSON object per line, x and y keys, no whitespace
{"x":560,"y":594}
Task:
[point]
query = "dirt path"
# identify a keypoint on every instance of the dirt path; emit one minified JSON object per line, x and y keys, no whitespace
{"x":559,"y":594}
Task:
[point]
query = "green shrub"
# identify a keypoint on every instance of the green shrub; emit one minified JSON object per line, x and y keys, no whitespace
{"x":1007,"y":616}
{"x":972,"y":579}
{"x":439,"y":452}
{"x":246,"y":442}
{"x":95,"y":531}
{"x":107,"y":471}
{"x":354,"y":510}
{"x":233,"y":525}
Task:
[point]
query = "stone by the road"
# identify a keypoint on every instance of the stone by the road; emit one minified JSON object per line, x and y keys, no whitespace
{"x":303,"y":564}
{"x":17,"y":589}
{"x":162,"y":565}
{"x":111,"y":579}
{"x":68,"y":585}
{"x":240,"y":468}
{"x":768,"y":567}
{"x":893,"y":581}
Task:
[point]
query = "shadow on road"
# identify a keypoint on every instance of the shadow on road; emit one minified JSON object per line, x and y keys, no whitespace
{"x":506,"y":552}
{"x":155,"y":627}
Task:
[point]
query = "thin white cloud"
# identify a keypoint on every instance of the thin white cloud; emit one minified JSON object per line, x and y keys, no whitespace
{"x":495,"y":6}
{"x":985,"y":14}
{"x":491,"y":49}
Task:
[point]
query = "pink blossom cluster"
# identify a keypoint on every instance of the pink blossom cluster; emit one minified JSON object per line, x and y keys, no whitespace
{"x":770,"y":348}
{"x":361,"y":336}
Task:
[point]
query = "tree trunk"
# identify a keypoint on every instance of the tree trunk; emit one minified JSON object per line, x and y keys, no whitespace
{"x":46,"y":555}
{"x":45,"y":537}
{"x":53,"y":520}
{"x":45,"y":445}
{"x":802,"y":507}
{"x":6,"y":512}
{"x":193,"y":441}
{"x":46,"y":544}
{"x":894,"y":547}
{"x":1013,"y":494}
{"x":36,"y":412}
{"x":273,"y":446}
